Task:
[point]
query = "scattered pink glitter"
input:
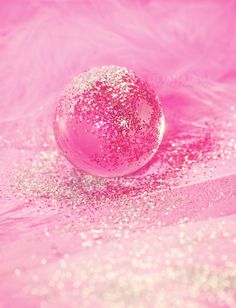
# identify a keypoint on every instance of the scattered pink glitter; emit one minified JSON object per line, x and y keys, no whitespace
{"x":163,"y":236}
{"x":109,"y":122}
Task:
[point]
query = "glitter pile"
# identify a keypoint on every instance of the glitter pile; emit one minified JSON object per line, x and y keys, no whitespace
{"x":103,"y":241}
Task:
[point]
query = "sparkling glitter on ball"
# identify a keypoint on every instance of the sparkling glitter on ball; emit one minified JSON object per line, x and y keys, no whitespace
{"x":108,"y":122}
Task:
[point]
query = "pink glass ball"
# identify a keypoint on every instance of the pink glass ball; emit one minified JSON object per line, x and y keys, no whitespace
{"x":108,"y":122}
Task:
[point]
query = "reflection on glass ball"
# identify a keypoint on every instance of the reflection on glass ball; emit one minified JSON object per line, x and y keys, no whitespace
{"x":108,"y":122}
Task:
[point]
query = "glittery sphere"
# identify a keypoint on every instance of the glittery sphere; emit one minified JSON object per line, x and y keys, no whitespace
{"x":108,"y":122}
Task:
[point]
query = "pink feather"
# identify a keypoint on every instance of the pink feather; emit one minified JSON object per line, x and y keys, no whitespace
{"x":169,"y":241}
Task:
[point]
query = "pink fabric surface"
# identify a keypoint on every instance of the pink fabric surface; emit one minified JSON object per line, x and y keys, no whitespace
{"x":164,"y":237}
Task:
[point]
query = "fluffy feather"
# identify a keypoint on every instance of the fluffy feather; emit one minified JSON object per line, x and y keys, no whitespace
{"x":58,"y":255}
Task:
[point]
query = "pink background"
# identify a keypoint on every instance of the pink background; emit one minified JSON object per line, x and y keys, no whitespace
{"x":164,"y":238}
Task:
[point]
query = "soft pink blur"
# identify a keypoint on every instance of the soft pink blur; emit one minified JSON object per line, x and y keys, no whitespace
{"x":118,"y":253}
